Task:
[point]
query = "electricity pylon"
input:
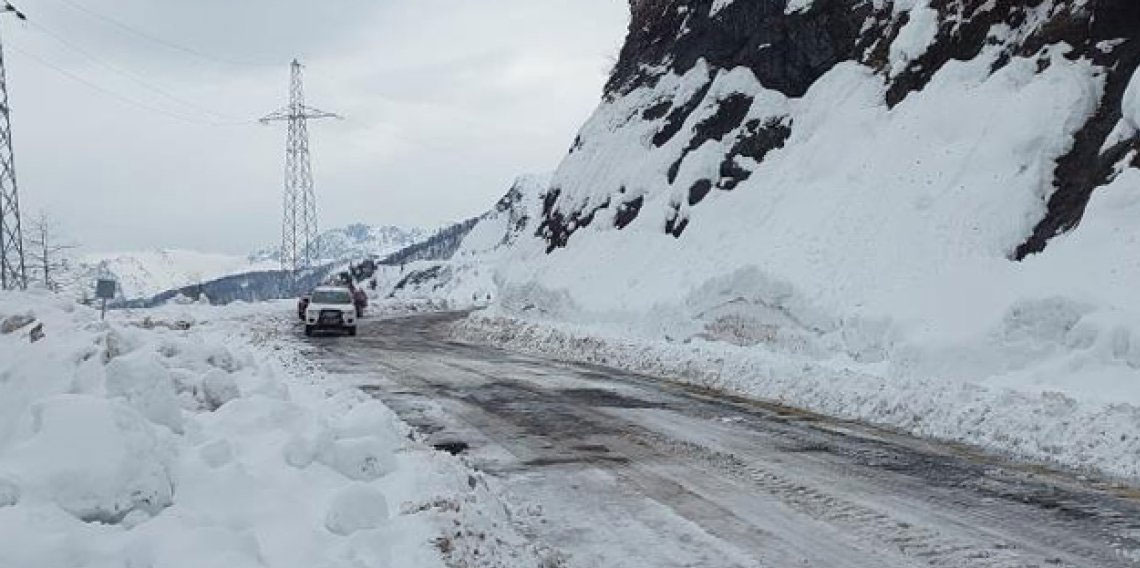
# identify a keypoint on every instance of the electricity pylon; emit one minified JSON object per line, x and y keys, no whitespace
{"x":299,"y":245}
{"x":13,"y":273}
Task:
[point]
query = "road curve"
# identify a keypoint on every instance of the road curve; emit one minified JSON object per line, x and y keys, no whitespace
{"x":621,"y":470}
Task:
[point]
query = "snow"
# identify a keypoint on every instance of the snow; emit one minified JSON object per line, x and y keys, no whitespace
{"x":1130,"y":105}
{"x":915,"y":37}
{"x":797,"y":6}
{"x":864,"y":269}
{"x":194,"y":435}
{"x":356,"y":508}
{"x":717,"y":6}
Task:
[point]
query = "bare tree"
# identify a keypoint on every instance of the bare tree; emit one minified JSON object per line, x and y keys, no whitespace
{"x":45,"y":251}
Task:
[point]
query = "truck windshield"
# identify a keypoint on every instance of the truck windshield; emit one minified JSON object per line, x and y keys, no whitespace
{"x":332,"y":297}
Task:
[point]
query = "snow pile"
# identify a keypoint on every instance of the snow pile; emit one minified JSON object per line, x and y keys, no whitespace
{"x":192,"y":436}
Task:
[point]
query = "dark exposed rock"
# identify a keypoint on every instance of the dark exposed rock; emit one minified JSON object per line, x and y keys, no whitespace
{"x":657,"y":111}
{"x":699,"y":190}
{"x":676,"y":224}
{"x":627,"y":212}
{"x":789,"y":52}
{"x":755,"y":141}
{"x":679,"y":115}
{"x":556,"y":228}
{"x":728,"y":116}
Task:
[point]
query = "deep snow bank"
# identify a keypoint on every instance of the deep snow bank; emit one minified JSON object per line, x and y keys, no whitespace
{"x":194,"y":436}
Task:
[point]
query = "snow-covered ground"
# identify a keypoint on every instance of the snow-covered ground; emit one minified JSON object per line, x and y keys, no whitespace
{"x":194,"y":436}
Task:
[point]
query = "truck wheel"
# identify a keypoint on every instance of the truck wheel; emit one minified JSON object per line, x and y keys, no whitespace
{"x":352,"y":331}
{"x":308,"y":331}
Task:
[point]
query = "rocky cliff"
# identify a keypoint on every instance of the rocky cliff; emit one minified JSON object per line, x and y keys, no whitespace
{"x":678,"y":85}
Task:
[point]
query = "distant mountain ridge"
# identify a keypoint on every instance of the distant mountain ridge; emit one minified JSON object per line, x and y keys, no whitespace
{"x":145,"y":273}
{"x":355,"y":241}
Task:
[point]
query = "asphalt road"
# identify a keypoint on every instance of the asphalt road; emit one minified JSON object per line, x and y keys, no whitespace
{"x":621,"y":470}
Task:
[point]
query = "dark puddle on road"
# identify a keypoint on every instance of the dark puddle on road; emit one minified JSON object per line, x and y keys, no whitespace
{"x":454,"y":447}
{"x":600,"y":397}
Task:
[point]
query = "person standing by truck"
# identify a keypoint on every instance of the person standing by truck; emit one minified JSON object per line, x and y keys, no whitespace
{"x":359,"y":299}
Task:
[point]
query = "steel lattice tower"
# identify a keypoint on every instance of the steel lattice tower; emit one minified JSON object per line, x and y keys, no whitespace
{"x":13,"y":273}
{"x":299,"y":244}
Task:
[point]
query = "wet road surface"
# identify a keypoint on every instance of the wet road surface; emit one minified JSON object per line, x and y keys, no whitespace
{"x":621,"y":470}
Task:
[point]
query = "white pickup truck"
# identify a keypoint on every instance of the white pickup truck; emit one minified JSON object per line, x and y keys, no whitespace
{"x":330,"y":309}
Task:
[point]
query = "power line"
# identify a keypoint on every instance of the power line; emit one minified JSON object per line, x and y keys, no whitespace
{"x":128,"y":74}
{"x":127,"y":100}
{"x":163,"y":42}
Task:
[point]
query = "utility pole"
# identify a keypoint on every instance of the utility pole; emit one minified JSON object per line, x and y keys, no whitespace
{"x":13,"y":273}
{"x":299,"y":246}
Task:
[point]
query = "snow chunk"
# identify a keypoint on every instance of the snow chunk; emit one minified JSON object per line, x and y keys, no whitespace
{"x":147,"y":386}
{"x":362,"y":459}
{"x":219,"y":388}
{"x":97,"y":458}
{"x":372,"y":419}
{"x":355,"y":508}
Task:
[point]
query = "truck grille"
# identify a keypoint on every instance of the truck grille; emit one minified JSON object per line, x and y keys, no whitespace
{"x":331,"y":317}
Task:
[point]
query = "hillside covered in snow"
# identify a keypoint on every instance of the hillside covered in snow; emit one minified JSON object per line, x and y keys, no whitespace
{"x":920,"y":212}
{"x":146,"y":273}
{"x":355,"y":242}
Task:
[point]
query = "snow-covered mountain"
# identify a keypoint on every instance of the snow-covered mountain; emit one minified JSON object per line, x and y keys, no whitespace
{"x":146,"y":273}
{"x":875,"y":201}
{"x":355,"y":242}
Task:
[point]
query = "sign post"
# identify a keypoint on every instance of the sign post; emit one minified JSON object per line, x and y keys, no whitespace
{"x":105,"y":290}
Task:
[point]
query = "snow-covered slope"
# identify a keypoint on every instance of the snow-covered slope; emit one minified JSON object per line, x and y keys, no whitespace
{"x":465,"y":277}
{"x":355,"y":242}
{"x":144,"y":274}
{"x":917,"y":192}
{"x":860,"y":177}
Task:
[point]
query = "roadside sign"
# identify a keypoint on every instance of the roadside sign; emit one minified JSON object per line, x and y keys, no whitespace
{"x":105,"y":290}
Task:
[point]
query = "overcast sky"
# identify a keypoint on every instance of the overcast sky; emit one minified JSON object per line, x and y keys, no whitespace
{"x":132,"y":144}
